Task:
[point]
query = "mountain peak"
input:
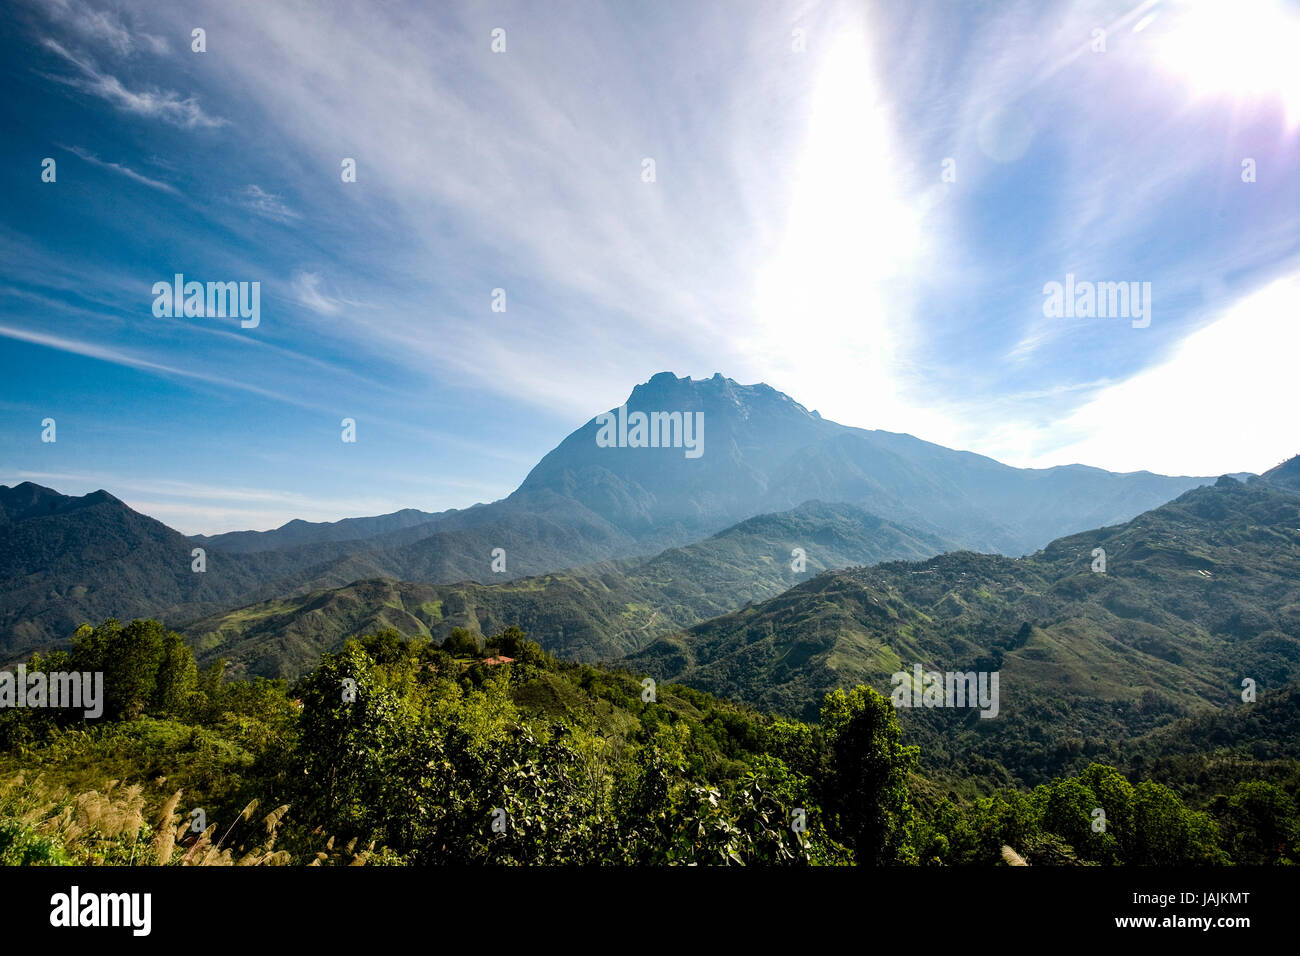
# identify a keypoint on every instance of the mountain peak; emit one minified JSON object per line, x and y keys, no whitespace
{"x":667,"y":386}
{"x":30,"y":500}
{"x":754,"y":449}
{"x":667,"y":381}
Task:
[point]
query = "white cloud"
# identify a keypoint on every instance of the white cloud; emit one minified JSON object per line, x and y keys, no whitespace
{"x":523,"y":170}
{"x":1224,"y":401}
{"x":164,"y":105}
{"x":306,"y":286}
{"x":118,"y":357}
{"x":266,"y":204}
{"x":101,"y":26}
{"x":122,"y":170}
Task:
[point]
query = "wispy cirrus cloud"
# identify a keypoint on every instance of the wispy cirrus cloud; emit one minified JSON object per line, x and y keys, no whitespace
{"x":266,"y":204}
{"x":309,"y":292}
{"x":118,"y":357}
{"x":167,"y":106}
{"x":121,"y":170}
{"x":102,"y":26}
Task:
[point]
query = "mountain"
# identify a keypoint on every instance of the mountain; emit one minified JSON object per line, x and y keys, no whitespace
{"x":298,"y":532}
{"x":554,"y":533}
{"x":64,"y":560}
{"x":762,"y":452}
{"x":759,"y":451}
{"x":1285,"y":475}
{"x":1196,"y":596}
{"x":591,"y":613}
{"x":68,"y":560}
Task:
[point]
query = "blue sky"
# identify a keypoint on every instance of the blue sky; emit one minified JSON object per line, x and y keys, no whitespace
{"x":799,"y":231}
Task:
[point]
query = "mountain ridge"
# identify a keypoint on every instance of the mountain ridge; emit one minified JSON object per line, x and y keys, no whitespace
{"x":581,"y":504}
{"x":589,"y":613}
{"x":1196,"y":595}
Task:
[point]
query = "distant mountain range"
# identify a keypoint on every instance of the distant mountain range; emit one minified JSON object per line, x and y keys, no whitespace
{"x":298,"y":532}
{"x":65,"y":560}
{"x":1197,"y":596}
{"x":764,"y":452}
{"x":594,"y":613}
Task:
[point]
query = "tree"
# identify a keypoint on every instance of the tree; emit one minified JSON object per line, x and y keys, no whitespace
{"x":349,"y":731}
{"x":510,"y":642}
{"x":1260,"y":824}
{"x":177,"y":678}
{"x":146,"y":668}
{"x":1166,"y":833}
{"x":867,"y":785}
{"x":461,"y":643}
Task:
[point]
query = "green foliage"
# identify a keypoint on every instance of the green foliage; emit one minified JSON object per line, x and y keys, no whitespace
{"x":461,"y":642}
{"x":867,"y":785}
{"x":21,"y":845}
{"x":403,"y":752}
{"x":589,"y":613}
{"x":1091,"y":664}
{"x":146,"y":668}
{"x":446,"y":771}
{"x":1059,"y":824}
{"x":1261,"y":823}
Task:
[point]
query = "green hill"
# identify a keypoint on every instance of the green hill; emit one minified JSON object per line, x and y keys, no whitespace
{"x":1197,"y":596}
{"x":592,"y":613}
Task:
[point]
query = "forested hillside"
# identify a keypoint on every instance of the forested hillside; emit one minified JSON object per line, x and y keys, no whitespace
{"x":405,"y":752}
{"x":1197,"y":597}
{"x":591,"y":613}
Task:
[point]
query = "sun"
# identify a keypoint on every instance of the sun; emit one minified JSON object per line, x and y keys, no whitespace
{"x":1246,"y":49}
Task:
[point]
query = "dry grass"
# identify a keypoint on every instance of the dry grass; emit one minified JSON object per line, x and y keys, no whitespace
{"x":108,"y":826}
{"x":1011,"y":858}
{"x":99,"y":822}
